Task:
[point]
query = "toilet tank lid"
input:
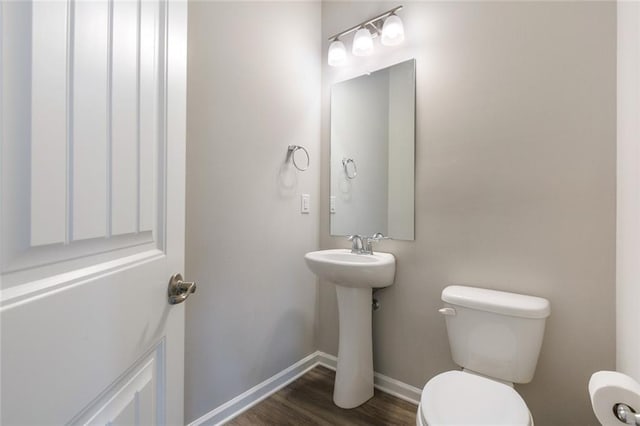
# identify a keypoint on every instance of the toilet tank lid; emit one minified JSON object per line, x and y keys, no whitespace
{"x":499,"y":302}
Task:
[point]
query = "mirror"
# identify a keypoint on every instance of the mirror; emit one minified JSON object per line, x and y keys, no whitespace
{"x":372,"y":153}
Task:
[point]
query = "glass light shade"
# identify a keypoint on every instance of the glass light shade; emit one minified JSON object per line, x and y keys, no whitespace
{"x":337,"y":55}
{"x":362,"y":43}
{"x":392,"y":31}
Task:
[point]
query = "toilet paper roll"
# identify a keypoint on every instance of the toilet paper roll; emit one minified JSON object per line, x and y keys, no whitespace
{"x":608,"y":388}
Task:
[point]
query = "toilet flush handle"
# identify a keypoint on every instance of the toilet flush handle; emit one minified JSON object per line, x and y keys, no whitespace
{"x":447,"y":311}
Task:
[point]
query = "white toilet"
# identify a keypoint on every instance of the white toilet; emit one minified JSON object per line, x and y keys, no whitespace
{"x":496,"y":337}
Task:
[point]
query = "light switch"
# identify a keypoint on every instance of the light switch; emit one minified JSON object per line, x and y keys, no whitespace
{"x":304,"y":203}
{"x":332,"y":204}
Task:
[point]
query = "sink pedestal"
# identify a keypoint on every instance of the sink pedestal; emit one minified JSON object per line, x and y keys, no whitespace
{"x":354,"y":374}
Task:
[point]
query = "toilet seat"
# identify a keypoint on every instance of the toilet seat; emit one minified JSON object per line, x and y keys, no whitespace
{"x":465,"y":399}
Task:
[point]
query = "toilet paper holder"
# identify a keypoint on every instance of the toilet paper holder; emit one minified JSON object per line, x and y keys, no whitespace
{"x":626,"y":414}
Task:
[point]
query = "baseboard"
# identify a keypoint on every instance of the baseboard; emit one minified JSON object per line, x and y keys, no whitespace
{"x":326,"y":360}
{"x":397,"y":388}
{"x":380,"y":381}
{"x":261,"y":391}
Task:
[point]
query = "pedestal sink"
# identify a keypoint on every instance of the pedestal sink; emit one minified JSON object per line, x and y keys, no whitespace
{"x":355,"y":275}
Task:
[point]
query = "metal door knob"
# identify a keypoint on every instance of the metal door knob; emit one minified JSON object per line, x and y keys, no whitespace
{"x":626,"y":414}
{"x":179,"y":290}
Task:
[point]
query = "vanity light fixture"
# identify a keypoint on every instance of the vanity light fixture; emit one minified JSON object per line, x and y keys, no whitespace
{"x":362,"y":43}
{"x":337,"y":56}
{"x":392,"y":31}
{"x":388,"y":25}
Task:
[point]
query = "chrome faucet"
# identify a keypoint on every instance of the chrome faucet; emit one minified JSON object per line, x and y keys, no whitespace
{"x":363,"y":245}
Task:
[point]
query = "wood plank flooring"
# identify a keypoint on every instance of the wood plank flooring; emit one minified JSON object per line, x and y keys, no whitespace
{"x":309,"y":401}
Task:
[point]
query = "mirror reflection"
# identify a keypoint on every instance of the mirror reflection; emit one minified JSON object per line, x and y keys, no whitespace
{"x":372,"y":153}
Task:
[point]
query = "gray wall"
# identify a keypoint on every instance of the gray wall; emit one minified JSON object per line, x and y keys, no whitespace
{"x":253,"y":89}
{"x":515,"y":184}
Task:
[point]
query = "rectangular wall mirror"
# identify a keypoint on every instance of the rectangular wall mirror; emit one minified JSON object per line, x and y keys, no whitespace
{"x":372,"y":153}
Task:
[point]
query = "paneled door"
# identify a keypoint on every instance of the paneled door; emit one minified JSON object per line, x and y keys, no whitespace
{"x":93,"y":104}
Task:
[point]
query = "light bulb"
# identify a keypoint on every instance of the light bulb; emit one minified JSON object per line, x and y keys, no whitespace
{"x":337,"y":55}
{"x":392,"y":31}
{"x":362,"y":43}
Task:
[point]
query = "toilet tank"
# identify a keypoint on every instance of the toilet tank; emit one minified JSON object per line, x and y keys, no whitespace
{"x":495,"y":333}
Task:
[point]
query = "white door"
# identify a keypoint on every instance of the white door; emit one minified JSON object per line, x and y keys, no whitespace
{"x":92,"y":211}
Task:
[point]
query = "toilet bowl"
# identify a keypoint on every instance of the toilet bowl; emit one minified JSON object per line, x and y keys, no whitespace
{"x":464,"y":399}
{"x":496,"y":337}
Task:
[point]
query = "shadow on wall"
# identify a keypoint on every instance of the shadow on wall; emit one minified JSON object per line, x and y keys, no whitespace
{"x":297,"y":160}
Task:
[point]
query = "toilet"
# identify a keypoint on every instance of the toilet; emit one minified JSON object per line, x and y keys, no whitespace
{"x":496,"y":338}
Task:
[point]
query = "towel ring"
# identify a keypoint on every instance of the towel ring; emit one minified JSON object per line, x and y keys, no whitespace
{"x":345,"y":164}
{"x":291,"y":151}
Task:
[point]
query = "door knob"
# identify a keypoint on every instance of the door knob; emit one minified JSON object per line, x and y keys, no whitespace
{"x":179,"y":290}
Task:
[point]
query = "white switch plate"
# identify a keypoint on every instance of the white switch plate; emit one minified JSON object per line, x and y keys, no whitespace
{"x":332,"y":204}
{"x":305,"y":200}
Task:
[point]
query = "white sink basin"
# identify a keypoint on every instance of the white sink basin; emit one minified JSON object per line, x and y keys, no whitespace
{"x":355,"y":275}
{"x":344,"y":268}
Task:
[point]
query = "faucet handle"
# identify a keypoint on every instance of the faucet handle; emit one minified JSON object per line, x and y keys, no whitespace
{"x":357,"y":243}
{"x":379,"y":236}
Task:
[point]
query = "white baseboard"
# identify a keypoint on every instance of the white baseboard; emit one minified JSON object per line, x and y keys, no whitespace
{"x":397,"y":388}
{"x":326,"y":360}
{"x":380,"y":381}
{"x":261,"y":391}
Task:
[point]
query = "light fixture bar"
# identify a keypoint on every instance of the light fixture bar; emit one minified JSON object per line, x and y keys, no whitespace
{"x":367,"y":22}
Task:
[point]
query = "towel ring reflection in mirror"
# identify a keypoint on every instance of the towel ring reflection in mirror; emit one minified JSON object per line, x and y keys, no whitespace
{"x":291,"y":154}
{"x":345,"y":164}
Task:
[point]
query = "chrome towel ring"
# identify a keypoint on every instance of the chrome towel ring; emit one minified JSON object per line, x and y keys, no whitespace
{"x":291,"y":151}
{"x":345,"y":164}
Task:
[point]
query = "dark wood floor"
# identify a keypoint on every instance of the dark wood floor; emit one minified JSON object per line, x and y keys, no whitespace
{"x":309,"y":401}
